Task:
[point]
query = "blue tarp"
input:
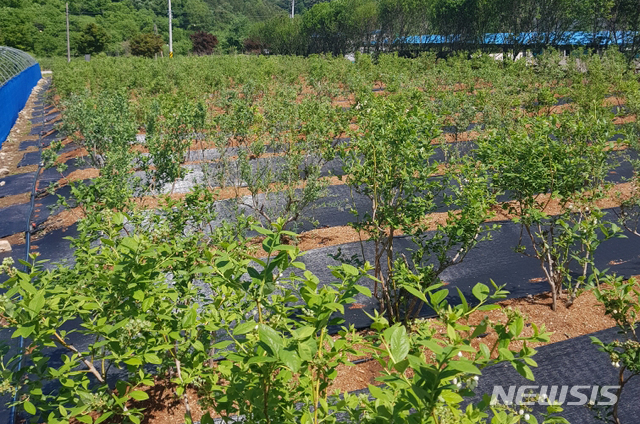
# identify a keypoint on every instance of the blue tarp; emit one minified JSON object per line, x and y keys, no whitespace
{"x":14,"y":95}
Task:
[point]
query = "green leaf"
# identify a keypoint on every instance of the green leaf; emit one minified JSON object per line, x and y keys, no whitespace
{"x":463,"y":299}
{"x":556,"y":420}
{"x":133,"y":361}
{"x":139,"y":395}
{"x":506,"y":353}
{"x":305,"y":352}
{"x":285,"y":247}
{"x":138,"y":295}
{"x":37,"y":302}
{"x":451,"y":398}
{"x":363,"y":290}
{"x":152,"y":358}
{"x":146,"y":303}
{"x":263,"y":231}
{"x":259,"y":359}
{"x":491,"y":307}
{"x":523,"y":370}
{"x":350,"y":269}
{"x":23,"y":331}
{"x":378,"y":393}
{"x":398,"y":342}
{"x":29,"y":407}
{"x":517,"y":326}
{"x":303,"y":332}
{"x":481,"y":291}
{"x":270,"y":338}
{"x":84,"y":419}
{"x":415,"y":292}
{"x":464,"y":366}
{"x":290,"y":359}
{"x":189,"y":319}
{"x":244,"y":328}
{"x":198,"y":346}
{"x":439,"y":296}
{"x":206,"y":419}
{"x":27,"y":286}
{"x":103,"y":417}
{"x":432,"y":346}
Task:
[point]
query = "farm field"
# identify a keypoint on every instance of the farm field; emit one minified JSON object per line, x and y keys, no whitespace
{"x":246,"y":228}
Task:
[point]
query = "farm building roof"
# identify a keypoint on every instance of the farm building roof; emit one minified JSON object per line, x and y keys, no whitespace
{"x":569,"y":38}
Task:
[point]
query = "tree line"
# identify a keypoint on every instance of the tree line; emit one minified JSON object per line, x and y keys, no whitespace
{"x":343,"y":26}
{"x":336,"y":27}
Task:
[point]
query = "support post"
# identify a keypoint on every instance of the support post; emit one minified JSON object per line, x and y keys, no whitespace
{"x":155,"y":31}
{"x":68,"y":42}
{"x":170,"y":32}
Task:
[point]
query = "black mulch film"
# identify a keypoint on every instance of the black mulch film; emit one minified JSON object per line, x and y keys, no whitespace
{"x":572,"y":362}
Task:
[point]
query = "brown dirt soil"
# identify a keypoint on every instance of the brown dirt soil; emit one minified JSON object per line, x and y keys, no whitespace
{"x":619,"y":120}
{"x":64,"y":219}
{"x":77,"y":175}
{"x":73,"y":154}
{"x":614,"y":101}
{"x":585,"y":316}
{"x":14,"y":200}
{"x":15,"y":239}
{"x":463,"y":136}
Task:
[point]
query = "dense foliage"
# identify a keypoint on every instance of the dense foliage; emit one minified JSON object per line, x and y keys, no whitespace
{"x":187,"y":268}
{"x":39,"y":26}
{"x":146,"y":45}
{"x":344,"y":26}
{"x":203,"y":42}
{"x":336,"y":27}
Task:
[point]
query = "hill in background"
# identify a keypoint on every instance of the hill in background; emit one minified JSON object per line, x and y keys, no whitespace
{"x":38,"y":26}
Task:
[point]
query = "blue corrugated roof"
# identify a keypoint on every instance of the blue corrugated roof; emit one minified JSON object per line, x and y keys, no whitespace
{"x":570,"y":38}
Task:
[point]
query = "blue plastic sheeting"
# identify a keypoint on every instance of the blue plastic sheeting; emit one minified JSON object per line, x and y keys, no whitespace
{"x":14,"y":95}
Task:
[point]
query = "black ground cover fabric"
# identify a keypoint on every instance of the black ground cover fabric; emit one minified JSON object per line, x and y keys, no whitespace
{"x":572,"y":362}
{"x":31,"y":158}
{"x":17,"y":184}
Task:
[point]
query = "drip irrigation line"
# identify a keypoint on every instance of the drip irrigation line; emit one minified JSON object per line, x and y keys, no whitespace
{"x":27,"y":236}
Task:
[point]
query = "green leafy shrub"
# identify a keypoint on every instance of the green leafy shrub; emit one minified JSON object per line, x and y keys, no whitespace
{"x":146,"y":45}
{"x":560,"y":161}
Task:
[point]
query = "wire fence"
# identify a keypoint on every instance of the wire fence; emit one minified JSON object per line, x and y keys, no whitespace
{"x":12,"y":62}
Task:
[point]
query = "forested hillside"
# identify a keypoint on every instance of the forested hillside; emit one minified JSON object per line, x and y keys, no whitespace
{"x":38,"y":26}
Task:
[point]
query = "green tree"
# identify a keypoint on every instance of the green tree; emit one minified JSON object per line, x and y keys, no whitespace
{"x":146,"y":45}
{"x":457,"y":20}
{"x":401,"y":18}
{"x":17,"y":29}
{"x":93,"y":39}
